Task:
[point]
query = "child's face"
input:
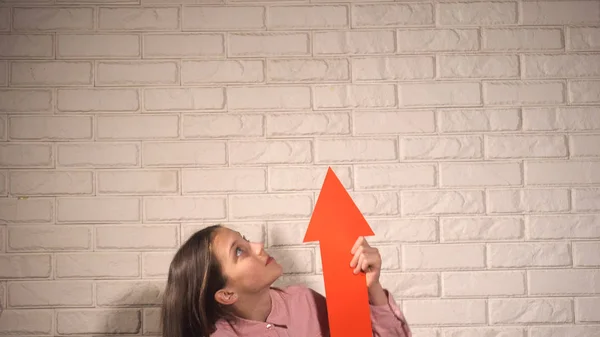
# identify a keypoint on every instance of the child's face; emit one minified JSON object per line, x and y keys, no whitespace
{"x":247,"y":267}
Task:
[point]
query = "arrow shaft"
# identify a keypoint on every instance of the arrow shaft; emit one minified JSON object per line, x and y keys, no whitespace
{"x":347,"y":295}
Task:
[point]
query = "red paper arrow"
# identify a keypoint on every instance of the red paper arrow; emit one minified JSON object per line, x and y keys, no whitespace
{"x":337,"y":223}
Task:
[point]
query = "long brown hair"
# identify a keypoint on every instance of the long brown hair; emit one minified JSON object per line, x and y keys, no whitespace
{"x":189,"y":308}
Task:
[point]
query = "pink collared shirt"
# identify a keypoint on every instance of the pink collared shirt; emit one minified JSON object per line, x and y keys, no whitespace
{"x":298,"y":311}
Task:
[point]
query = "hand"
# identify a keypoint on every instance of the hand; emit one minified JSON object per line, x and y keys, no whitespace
{"x":368,"y":260}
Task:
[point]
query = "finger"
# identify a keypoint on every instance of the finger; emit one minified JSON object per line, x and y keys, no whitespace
{"x":358,"y":267}
{"x":356,"y":256}
{"x":357,"y":244}
{"x":365,"y":265}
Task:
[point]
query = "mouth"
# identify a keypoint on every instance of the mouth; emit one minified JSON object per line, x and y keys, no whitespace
{"x":269,"y":260}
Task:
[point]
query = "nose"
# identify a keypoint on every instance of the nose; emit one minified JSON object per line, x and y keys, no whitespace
{"x":258,"y":247}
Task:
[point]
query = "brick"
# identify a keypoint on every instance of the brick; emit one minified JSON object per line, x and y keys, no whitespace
{"x":24,"y":100}
{"x":151,"y":316}
{"x":560,"y":12}
{"x":53,"y":19}
{"x":285,"y":233}
{"x":26,"y":322}
{"x":411,"y":285}
{"x":481,"y":229}
{"x":308,"y":70}
{"x":49,"y":238}
{"x":585,"y":254}
{"x":457,"y":147}
{"x":223,"y":18}
{"x":25,"y":266}
{"x":98,"y":209}
{"x":561,"y":119}
{"x":165,"y":209}
{"x":492,"y":66}
{"x":27,"y":46}
{"x":98,"y":45}
{"x":3,"y":127}
{"x":268,"y":97}
{"x":307,"y":124}
{"x":355,"y":150}
{"x":3,"y":73}
{"x":355,"y":96}
{"x":442,"y":202}
{"x":294,"y":261}
{"x":300,"y":178}
{"x":525,"y":146}
{"x":217,"y":126}
{"x":183,"y":153}
{"x":272,"y":206}
{"x":116,"y":2}
{"x":377,"y":203}
{"x":221,"y":71}
{"x":564,"y":227}
{"x":138,"y":182}
{"x":439,"y":94}
{"x":426,"y":257}
{"x":585,"y":309}
{"x":98,"y":155}
{"x":269,"y":44}
{"x":156,"y":264}
{"x":254,"y":231}
{"x":562,"y":172}
{"x":5,"y":19}
{"x":523,"y":93}
{"x":52,"y":73}
{"x":140,"y":73}
{"x":518,"y":255}
{"x":98,"y":100}
{"x":584,"y":92}
{"x":32,"y":210}
{"x":137,"y":237}
{"x":432,"y":40}
{"x":584,"y":145}
{"x":570,"y":330}
{"x":583,"y":38}
{"x":51,"y":182}
{"x":15,"y":155}
{"x":270,"y":152}
{"x":487,"y":283}
{"x":97,"y":321}
{"x":477,"y":13}
{"x":354,"y":42}
{"x":561,"y":66}
{"x":530,"y":311}
{"x":307,"y":17}
{"x":393,"y":68}
{"x":393,"y":122}
{"x":184,"y":99}
{"x":3,"y":183}
{"x":394,"y":176}
{"x":386,"y":15}
{"x":50,"y":128}
{"x":461,"y":120}
{"x":223,"y":180}
{"x":528,"y":39}
{"x":97,"y":265}
{"x":403,"y":230}
{"x":131,"y":18}
{"x":50,"y":293}
{"x":128,"y":293}
{"x":183,"y":45}
{"x":586,"y":199}
{"x":480,"y":174}
{"x":563,"y":282}
{"x":446,"y":311}
{"x":137,"y":127}
{"x":528,"y":201}
{"x":489,"y":332}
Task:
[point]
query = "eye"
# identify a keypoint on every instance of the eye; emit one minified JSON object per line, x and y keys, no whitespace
{"x":238,"y":251}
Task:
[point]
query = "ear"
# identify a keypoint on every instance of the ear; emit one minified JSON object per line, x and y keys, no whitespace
{"x":226,"y":297}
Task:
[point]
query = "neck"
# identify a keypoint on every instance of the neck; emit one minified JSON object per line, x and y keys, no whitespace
{"x":255,"y":306}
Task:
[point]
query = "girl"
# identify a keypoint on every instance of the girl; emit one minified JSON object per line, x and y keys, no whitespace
{"x":219,"y":285}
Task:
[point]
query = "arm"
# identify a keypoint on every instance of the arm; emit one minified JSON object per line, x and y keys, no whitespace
{"x":386,"y":317}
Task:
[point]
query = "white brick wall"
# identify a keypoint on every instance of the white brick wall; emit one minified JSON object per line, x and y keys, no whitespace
{"x":467,"y":131}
